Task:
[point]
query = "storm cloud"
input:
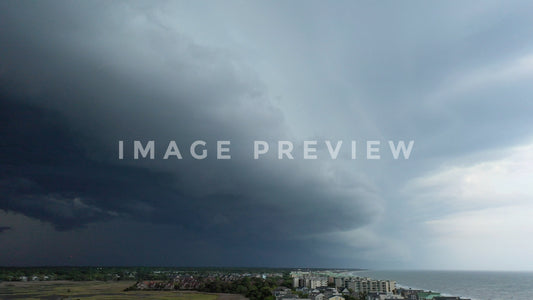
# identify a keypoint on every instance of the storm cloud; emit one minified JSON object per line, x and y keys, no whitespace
{"x":72,"y":87}
{"x":76,"y":78}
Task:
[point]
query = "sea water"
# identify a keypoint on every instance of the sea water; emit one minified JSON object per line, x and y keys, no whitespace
{"x":476,"y":285}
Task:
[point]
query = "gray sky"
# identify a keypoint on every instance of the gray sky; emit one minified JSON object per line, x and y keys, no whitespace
{"x":454,"y":77}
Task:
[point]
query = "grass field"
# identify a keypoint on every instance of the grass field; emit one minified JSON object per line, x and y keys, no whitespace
{"x":52,"y":290}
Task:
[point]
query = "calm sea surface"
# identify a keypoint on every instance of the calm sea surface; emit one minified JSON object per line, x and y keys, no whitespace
{"x":478,"y":285}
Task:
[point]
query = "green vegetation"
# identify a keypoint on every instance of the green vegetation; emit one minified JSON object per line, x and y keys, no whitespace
{"x":253,"y":283}
{"x":121,"y":273}
{"x":74,"y":273}
{"x":90,"y":290}
{"x":252,"y":288}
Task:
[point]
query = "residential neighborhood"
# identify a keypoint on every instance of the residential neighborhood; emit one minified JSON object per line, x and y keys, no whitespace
{"x":324,"y":286}
{"x":272,"y":284}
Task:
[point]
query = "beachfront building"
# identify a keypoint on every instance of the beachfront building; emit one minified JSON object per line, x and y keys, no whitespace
{"x":366,"y":285}
{"x":311,"y":282}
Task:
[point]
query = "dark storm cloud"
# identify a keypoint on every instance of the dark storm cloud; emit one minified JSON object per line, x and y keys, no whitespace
{"x":76,"y":78}
{"x":47,"y":175}
{"x":4,"y":228}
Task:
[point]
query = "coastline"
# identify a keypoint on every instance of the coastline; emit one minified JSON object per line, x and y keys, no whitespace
{"x":475,"y":285}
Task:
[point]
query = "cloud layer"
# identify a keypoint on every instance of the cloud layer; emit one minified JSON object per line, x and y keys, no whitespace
{"x":71,"y":90}
{"x":77,"y":78}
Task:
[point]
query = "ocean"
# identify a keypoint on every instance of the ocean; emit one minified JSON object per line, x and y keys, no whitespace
{"x":475,"y":285}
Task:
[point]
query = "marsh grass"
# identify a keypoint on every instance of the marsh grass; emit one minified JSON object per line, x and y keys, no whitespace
{"x":53,"y":290}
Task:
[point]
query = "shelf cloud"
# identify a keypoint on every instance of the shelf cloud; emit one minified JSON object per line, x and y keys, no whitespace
{"x":77,"y":78}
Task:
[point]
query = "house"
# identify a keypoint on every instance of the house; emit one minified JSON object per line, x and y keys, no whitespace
{"x":345,"y":291}
{"x":383,"y":296}
{"x":281,"y":291}
{"x":316,"y":296}
{"x":409,"y":293}
{"x":335,"y":297}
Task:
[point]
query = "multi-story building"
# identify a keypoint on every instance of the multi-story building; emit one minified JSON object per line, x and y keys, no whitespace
{"x":317,"y":282}
{"x":339,"y":282}
{"x":362,"y":284}
{"x":311,"y":282}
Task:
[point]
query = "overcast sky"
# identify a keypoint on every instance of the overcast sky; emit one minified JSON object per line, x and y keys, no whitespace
{"x":454,"y":77}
